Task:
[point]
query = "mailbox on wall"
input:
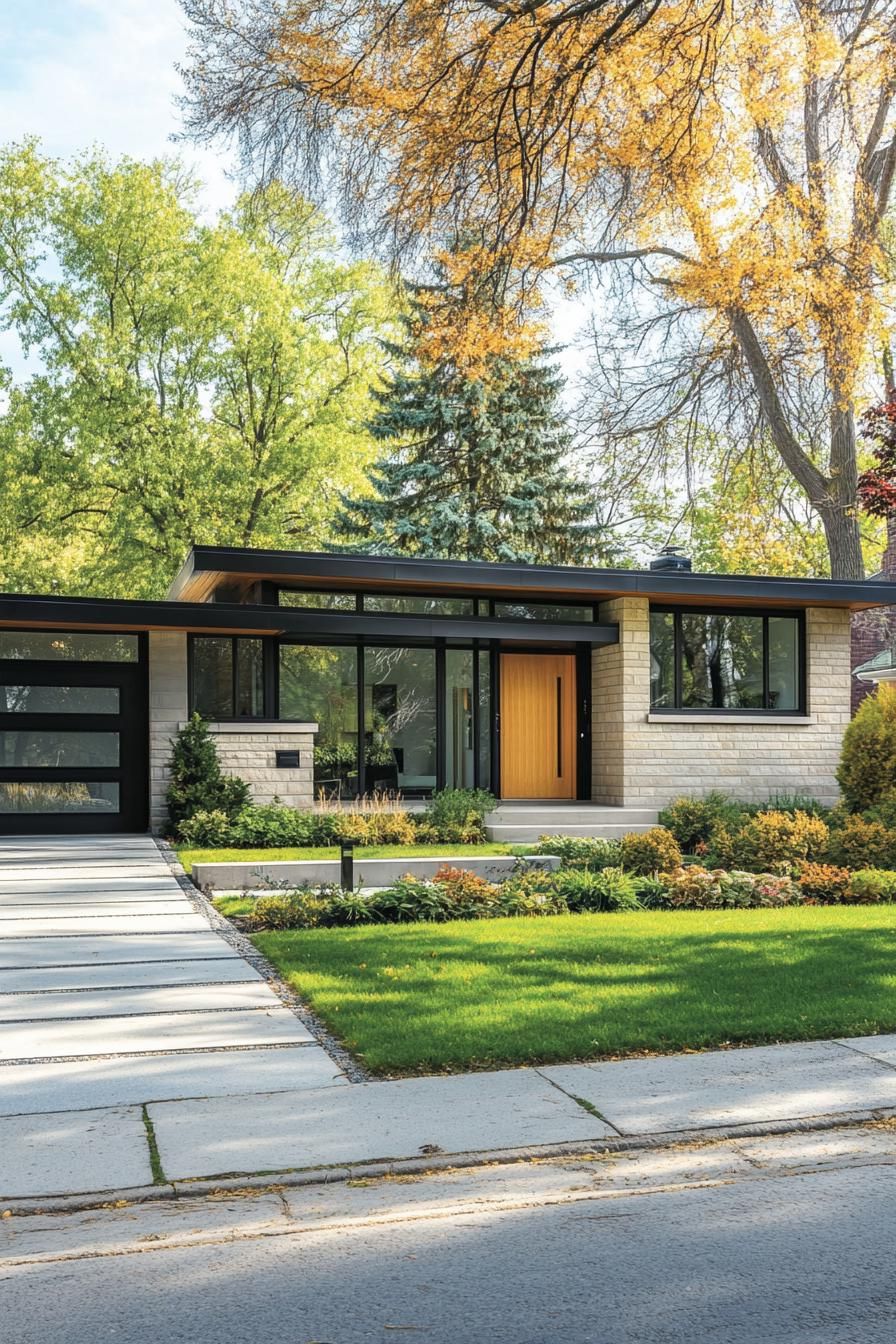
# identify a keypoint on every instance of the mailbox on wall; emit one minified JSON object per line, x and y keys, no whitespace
{"x":288,"y":760}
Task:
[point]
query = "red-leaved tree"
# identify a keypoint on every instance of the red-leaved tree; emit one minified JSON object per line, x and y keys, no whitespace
{"x":877,"y":486}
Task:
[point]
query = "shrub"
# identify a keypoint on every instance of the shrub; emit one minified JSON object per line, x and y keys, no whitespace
{"x":531,"y":893}
{"x":207,"y":830}
{"x":271,"y":826}
{"x":797,"y":802}
{"x":824,"y":883}
{"x":304,"y":908}
{"x":653,"y":851}
{"x":884,"y":810}
{"x":457,"y":814}
{"x":197,"y":780}
{"x":776,"y":841}
{"x":862,"y":844}
{"x":867,"y":770}
{"x":471,"y":896}
{"x":610,"y":889}
{"x":411,"y":899}
{"x":695,"y":888}
{"x":347,"y":908}
{"x":873,"y":884}
{"x":575,"y":851}
{"x":693,"y":820}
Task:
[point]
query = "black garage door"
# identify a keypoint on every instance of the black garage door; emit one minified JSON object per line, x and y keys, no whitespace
{"x":73,"y":732}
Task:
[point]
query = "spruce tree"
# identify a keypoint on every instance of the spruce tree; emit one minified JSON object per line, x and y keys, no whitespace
{"x":473,"y":468}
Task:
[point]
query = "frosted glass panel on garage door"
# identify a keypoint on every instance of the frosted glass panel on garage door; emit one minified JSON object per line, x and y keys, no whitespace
{"x":60,"y":700}
{"x":44,"y":747}
{"x":68,"y":797}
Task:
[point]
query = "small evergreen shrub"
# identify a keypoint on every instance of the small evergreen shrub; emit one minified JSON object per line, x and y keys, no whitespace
{"x":873,"y":884}
{"x":884,"y":810}
{"x":867,"y":770}
{"x":776,"y":841}
{"x":197,"y":780}
{"x":862,"y":844}
{"x":575,"y":851}
{"x":457,"y":814}
{"x":824,"y":883}
{"x":304,"y":908}
{"x":653,"y":851}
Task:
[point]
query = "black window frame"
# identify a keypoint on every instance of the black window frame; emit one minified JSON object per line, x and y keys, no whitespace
{"x":269,"y":678}
{"x":797,"y":614}
{"x":481,"y":608}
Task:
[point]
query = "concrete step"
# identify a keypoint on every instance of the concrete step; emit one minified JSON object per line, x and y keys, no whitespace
{"x":525,"y":834}
{"x":536,"y":814}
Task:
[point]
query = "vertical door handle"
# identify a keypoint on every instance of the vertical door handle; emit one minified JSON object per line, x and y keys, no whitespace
{"x":559,"y":727}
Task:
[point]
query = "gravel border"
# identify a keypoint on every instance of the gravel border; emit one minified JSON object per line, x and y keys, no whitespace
{"x":423,"y":1166}
{"x":353,"y":1071}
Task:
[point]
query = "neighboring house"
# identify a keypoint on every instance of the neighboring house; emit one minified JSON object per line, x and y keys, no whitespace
{"x":349,"y":674}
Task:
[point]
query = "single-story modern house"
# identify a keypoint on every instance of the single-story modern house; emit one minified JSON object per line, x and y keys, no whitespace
{"x":347,"y":674}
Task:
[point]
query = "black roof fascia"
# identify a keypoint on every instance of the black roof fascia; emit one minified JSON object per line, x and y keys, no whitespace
{"x":64,"y":612}
{"x":541,"y":580}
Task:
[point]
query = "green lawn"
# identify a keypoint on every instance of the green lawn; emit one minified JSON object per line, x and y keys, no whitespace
{"x":428,"y":997}
{"x":189,"y":856}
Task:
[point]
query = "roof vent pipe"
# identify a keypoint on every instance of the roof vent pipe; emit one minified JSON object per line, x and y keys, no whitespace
{"x":671,"y":558}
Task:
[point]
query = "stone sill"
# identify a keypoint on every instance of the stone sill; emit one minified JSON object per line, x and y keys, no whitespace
{"x":698,"y":719}
{"x":279,"y":726}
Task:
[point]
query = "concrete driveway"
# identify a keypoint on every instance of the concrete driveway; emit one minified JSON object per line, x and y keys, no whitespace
{"x":115,"y":992}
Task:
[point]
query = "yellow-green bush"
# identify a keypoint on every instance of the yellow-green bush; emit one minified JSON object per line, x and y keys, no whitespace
{"x":776,"y":841}
{"x":653,"y":851}
{"x":867,"y":767}
{"x":862,"y":844}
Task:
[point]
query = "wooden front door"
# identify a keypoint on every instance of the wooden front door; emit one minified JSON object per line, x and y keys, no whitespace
{"x":538,"y":725}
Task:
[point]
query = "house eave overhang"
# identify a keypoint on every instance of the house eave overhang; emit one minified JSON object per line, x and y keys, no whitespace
{"x":208,"y":567}
{"x":51,"y":612}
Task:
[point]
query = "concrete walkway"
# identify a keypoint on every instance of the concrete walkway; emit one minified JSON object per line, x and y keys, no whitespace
{"x":115,"y":991}
{"x":139,"y":1046}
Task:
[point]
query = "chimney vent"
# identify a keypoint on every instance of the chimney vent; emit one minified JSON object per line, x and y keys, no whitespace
{"x":670,"y":558}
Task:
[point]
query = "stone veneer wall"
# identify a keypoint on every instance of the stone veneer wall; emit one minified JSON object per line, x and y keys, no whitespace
{"x":636,"y":762}
{"x":247,"y":748}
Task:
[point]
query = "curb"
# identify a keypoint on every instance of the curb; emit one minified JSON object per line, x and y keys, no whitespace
{"x":292,"y":1178}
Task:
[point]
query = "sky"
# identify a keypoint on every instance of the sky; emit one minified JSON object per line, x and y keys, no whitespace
{"x":102,"y":73}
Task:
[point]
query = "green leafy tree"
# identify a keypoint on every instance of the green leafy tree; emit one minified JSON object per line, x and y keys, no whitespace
{"x":197,"y":780}
{"x":195,"y":382}
{"x":476,"y":465}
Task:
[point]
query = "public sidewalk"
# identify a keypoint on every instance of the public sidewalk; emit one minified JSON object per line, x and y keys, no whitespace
{"x":98,"y":1151}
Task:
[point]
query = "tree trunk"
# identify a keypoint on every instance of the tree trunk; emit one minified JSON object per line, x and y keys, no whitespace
{"x":841,"y":530}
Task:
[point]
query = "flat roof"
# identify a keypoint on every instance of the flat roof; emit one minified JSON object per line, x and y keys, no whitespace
{"x":207,"y":567}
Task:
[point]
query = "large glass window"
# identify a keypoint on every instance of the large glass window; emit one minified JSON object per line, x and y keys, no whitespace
{"x":317,"y":601}
{"x":543,"y":611}
{"x":725,"y":660}
{"x":400,"y":719}
{"x":460,"y":743}
{"x":413,"y":605}
{"x":227,"y":677}
{"x":75,"y":647}
{"x":319,"y":684}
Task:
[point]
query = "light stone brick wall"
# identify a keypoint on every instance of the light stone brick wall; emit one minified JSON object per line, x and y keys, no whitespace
{"x":250,"y":750}
{"x":167,"y":711}
{"x":636,"y":762}
{"x":247,"y":749}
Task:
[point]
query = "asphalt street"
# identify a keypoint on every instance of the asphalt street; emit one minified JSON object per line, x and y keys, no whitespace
{"x":784,"y":1242}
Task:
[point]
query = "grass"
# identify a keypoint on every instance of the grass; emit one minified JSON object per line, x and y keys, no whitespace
{"x":189,"y":856}
{"x":480,"y":994}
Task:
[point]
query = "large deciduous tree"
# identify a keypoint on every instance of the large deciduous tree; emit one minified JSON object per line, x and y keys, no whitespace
{"x":734,"y":161}
{"x":184,"y":381}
